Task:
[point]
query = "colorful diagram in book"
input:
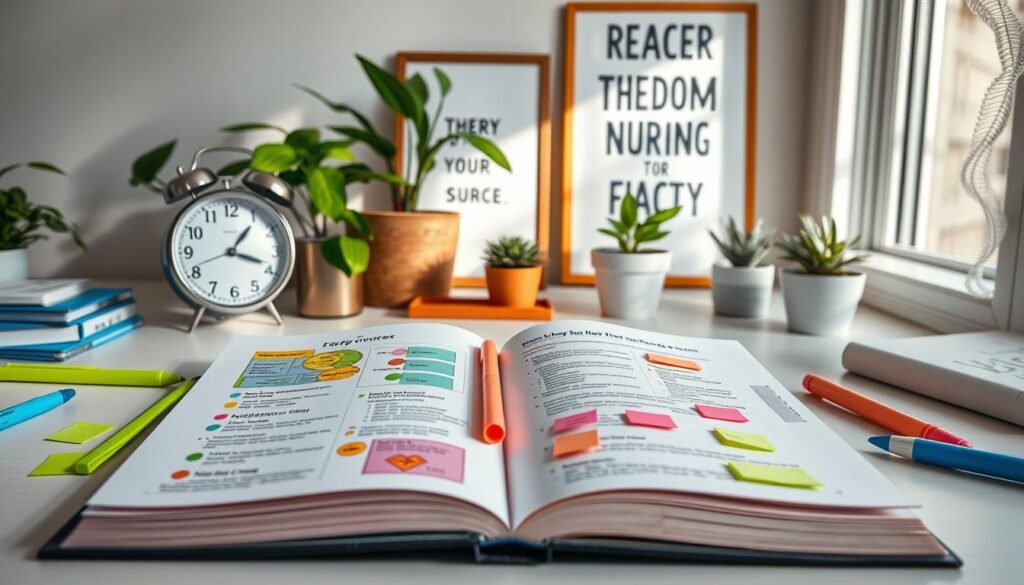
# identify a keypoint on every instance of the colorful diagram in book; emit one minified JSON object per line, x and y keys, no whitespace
{"x":416,"y":457}
{"x":300,"y":366}
{"x":421,"y":365}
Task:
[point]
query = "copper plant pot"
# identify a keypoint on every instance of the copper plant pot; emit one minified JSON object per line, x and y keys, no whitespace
{"x":412,"y":254}
{"x":323,"y":290}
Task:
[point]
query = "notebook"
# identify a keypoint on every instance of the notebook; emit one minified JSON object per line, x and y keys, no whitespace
{"x":981,"y":371}
{"x":15,"y":333}
{"x":69,"y":310}
{"x":58,"y":352}
{"x":367,"y":441}
{"x":42,"y":292}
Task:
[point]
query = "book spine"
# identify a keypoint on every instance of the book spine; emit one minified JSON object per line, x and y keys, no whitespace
{"x":94,"y":325}
{"x":936,"y":381}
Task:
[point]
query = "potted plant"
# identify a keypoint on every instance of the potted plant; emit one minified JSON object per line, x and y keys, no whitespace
{"x":414,"y":250}
{"x":513,"y":271}
{"x":22,"y":223}
{"x":630,"y":279}
{"x":822,"y":297}
{"x":328,"y":268}
{"x":743,"y":287}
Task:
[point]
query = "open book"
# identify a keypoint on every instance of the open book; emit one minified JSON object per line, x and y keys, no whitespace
{"x":619,"y":441}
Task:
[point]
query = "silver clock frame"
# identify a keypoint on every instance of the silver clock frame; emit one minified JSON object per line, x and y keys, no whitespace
{"x":202,"y":306}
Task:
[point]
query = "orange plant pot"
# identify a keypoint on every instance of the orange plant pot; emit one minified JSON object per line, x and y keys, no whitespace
{"x":513,"y":287}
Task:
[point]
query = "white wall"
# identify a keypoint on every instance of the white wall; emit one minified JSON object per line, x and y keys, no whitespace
{"x":91,"y":84}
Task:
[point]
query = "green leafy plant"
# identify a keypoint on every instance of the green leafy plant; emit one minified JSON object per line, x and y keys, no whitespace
{"x":511,"y":252}
{"x":21,"y":221}
{"x":303,"y":161}
{"x":630,"y":232}
{"x":817,"y":247}
{"x":408,"y":99}
{"x":741,"y":248}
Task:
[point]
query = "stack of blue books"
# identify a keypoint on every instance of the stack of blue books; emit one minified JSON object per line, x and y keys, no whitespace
{"x":61,"y":330}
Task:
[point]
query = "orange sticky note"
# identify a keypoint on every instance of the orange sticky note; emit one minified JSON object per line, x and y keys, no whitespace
{"x":675,"y":362}
{"x":576,"y":443}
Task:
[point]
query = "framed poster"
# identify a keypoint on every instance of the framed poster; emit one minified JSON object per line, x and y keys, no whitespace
{"x":503,"y":97}
{"x":660,"y":102}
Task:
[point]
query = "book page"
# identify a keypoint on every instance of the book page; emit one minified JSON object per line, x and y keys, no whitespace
{"x":565,"y":381}
{"x":384,"y":408}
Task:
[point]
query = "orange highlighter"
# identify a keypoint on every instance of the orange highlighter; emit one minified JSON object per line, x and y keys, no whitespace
{"x":878,"y":413}
{"x":493,"y":412}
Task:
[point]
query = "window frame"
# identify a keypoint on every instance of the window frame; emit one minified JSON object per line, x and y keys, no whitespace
{"x":919,"y":286}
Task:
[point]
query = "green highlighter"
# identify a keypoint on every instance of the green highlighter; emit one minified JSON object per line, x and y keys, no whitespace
{"x":107,"y":449}
{"x":63,"y":374}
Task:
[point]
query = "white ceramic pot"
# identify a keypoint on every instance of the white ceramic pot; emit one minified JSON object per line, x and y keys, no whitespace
{"x":629,"y":285}
{"x":13,"y":264}
{"x":742,"y":291}
{"x":821,"y":305}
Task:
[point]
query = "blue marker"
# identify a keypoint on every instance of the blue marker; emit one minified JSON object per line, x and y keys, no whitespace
{"x":22,"y":412}
{"x":953,"y":456}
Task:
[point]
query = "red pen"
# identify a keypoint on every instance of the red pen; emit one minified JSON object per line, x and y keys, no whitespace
{"x":879,"y":413}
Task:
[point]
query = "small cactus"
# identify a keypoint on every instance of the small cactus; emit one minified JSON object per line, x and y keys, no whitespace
{"x":818,"y":249}
{"x":512,"y":252}
{"x":743,"y":249}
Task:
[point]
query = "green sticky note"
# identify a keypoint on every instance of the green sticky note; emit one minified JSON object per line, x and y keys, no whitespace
{"x":784,"y":476}
{"x":80,"y":432}
{"x":752,"y":441}
{"x":57,"y":464}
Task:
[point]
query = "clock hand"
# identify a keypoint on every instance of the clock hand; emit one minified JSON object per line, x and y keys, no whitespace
{"x":249,"y":258}
{"x":242,"y":235}
{"x":211,"y":259}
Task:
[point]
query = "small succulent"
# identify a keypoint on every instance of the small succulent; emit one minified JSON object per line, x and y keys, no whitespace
{"x":630,"y":232}
{"x":741,"y":248}
{"x":818,"y":249}
{"x":512,"y":252}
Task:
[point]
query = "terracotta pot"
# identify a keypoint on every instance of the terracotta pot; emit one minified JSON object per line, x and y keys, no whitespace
{"x":412,"y":254}
{"x":323,"y":290}
{"x":513,"y":287}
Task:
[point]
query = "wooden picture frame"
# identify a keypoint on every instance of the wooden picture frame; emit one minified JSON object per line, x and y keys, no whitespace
{"x":472,"y":248}
{"x":574,"y":66}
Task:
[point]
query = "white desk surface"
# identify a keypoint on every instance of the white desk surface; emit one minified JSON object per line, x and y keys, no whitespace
{"x":981,"y":519}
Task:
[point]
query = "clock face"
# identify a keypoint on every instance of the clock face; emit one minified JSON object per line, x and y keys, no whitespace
{"x":231,"y":250}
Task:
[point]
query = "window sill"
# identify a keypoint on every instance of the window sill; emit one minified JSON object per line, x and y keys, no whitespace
{"x":928,"y":295}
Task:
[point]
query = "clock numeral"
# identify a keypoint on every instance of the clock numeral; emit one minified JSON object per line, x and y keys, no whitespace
{"x":269,"y":270}
{"x":254,"y":286}
{"x":211,"y":215}
{"x":230,"y":210}
{"x":234,"y":292}
{"x":213,"y":286}
{"x":196,"y":273}
{"x":188,"y":252}
{"x":194,"y":233}
{"x":277,"y":251}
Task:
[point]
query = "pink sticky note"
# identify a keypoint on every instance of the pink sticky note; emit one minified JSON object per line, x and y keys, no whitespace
{"x":572,"y":421}
{"x":650,"y":419}
{"x":720,"y":413}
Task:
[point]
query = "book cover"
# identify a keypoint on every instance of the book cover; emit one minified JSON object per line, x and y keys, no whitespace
{"x":981,"y":371}
{"x":66,"y":311}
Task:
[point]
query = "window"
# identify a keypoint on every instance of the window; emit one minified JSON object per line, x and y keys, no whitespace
{"x":947,"y":58}
{"x":909,"y":82}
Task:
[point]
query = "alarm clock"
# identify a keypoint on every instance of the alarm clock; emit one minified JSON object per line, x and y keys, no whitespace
{"x":230,"y":250}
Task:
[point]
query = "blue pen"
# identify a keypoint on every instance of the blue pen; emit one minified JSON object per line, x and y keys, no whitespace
{"x":953,"y":456}
{"x":13,"y":415}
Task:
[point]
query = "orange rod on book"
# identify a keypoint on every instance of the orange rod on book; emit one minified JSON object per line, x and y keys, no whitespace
{"x":493,"y":411}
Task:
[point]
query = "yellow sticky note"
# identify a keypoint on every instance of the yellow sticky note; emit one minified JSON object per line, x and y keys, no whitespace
{"x":752,"y":441}
{"x":784,"y":476}
{"x":57,"y":464}
{"x":80,"y":432}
